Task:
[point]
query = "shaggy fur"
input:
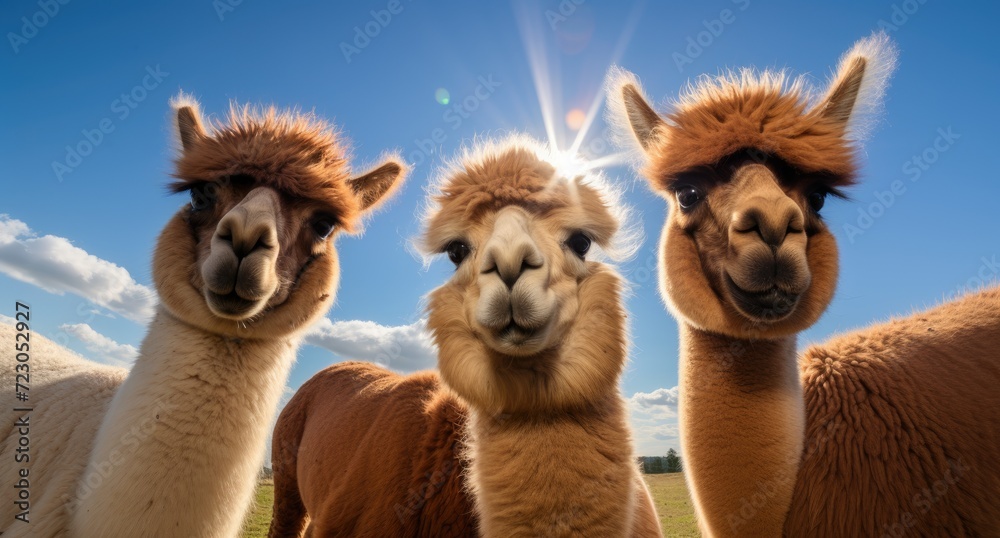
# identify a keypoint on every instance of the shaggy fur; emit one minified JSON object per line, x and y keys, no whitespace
{"x":297,"y":154}
{"x":878,"y":433}
{"x":361,"y":451}
{"x":533,"y":337}
{"x":174,"y":448}
{"x":902,"y":427}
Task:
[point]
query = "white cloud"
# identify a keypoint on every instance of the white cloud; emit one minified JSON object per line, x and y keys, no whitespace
{"x":654,"y":421}
{"x":107,"y":350}
{"x":55,"y":265}
{"x":7,"y":320}
{"x":405,"y":348}
{"x":661,"y":402}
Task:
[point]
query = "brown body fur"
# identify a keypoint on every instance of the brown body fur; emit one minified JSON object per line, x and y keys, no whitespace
{"x":903,"y":427}
{"x":361,"y":451}
{"x":886,"y":431}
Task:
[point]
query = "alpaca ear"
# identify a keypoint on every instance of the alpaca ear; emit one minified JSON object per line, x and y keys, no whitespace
{"x":628,"y":108}
{"x":854,"y":97}
{"x":378,"y":184}
{"x":188,"y":115}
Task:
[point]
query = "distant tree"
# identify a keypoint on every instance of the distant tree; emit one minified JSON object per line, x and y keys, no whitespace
{"x":672,"y":463}
{"x":655,"y":465}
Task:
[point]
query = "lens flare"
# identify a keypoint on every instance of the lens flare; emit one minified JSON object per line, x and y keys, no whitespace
{"x":442,"y":96}
{"x":548,"y":89}
{"x":575,"y":119}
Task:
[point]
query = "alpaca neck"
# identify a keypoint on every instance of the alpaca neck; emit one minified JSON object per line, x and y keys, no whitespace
{"x":742,"y":429}
{"x":182,"y":442}
{"x":561,"y":474}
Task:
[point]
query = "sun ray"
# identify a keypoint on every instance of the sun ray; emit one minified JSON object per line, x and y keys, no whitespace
{"x":595,"y":105}
{"x":528,"y":24}
{"x":547,"y":89}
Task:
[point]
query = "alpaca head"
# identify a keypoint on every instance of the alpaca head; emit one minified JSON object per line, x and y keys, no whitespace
{"x":253,"y":254}
{"x":745,"y":162}
{"x":528,"y":322}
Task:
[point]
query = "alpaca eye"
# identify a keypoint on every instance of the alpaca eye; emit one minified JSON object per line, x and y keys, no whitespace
{"x":688,"y":197}
{"x":457,"y":252}
{"x":201,"y":198}
{"x":579,"y":243}
{"x":323,"y":227}
{"x":816,"y":200}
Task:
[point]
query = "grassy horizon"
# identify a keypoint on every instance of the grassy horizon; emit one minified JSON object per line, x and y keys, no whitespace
{"x":673,"y":505}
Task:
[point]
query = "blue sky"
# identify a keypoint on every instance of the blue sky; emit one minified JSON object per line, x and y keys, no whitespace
{"x":66,"y":76}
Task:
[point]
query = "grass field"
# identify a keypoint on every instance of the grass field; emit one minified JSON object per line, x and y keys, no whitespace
{"x":259,"y":519}
{"x":669,"y":492}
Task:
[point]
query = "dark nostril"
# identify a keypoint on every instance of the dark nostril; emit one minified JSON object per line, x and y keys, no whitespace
{"x":242,"y":249}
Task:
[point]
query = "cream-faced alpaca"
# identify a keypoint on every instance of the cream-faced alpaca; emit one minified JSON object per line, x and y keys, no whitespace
{"x":886,"y":431}
{"x":532,"y":335}
{"x":240,"y":272}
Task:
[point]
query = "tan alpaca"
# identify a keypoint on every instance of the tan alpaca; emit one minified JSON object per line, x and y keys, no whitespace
{"x":887,"y":431}
{"x":174,"y":449}
{"x":532,"y":335}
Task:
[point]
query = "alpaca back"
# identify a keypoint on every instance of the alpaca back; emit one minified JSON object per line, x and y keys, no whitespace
{"x":68,"y":396}
{"x":903,"y":427}
{"x":362,"y":451}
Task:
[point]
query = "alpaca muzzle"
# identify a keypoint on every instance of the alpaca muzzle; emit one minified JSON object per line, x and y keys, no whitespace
{"x":240,"y":273}
{"x":515,"y":303}
{"x":766,"y":269}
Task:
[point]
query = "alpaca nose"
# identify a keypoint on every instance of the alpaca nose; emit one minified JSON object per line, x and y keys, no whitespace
{"x":510,"y":261}
{"x":770,"y":218}
{"x":250,"y":226}
{"x":511,"y":252}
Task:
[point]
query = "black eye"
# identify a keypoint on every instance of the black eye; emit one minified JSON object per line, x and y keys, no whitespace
{"x":816,"y":200}
{"x":323,"y":227}
{"x":579,"y":243}
{"x":457,"y":252}
{"x":202,"y":197}
{"x":688,"y":197}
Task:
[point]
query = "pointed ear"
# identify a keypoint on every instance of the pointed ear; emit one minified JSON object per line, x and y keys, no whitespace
{"x":188,"y":115}
{"x":377,"y":185}
{"x":854,"y":97}
{"x":628,"y":108}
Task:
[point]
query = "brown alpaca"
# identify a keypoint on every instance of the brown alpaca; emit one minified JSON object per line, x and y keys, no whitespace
{"x":361,"y":451}
{"x":174,"y":447}
{"x":532,"y":336}
{"x":881,"y":432}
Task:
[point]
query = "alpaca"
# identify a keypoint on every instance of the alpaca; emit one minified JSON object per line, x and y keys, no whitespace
{"x":174,"y":448}
{"x":531,"y":334}
{"x":399,"y":465}
{"x":362,"y":451}
{"x":884,"y":431}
